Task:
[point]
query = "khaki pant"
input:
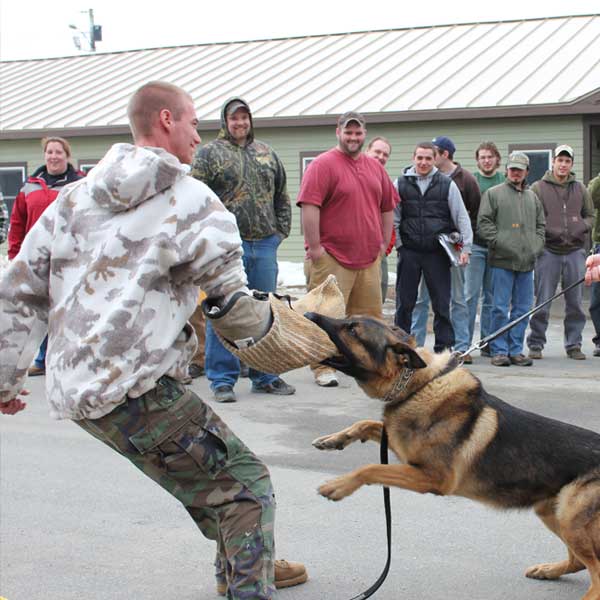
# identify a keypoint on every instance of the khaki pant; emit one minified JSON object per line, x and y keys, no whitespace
{"x":199,"y":324}
{"x":361,"y":287}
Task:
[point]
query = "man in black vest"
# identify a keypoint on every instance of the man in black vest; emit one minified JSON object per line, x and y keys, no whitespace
{"x":431,"y":204}
{"x":569,"y":213}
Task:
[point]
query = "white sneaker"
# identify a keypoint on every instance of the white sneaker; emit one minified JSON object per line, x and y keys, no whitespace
{"x":326,"y":379}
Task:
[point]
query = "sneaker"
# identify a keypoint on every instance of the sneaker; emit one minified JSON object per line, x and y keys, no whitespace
{"x":195,"y":371}
{"x":278,"y":387}
{"x":36,"y":371}
{"x":576,"y":354}
{"x":596,"y":351}
{"x":535,"y":353}
{"x":326,"y":379}
{"x":224,"y":393}
{"x":287,"y":574}
{"x":521,"y":360}
{"x":244,"y":370}
{"x":500,"y":360}
{"x":467,"y":360}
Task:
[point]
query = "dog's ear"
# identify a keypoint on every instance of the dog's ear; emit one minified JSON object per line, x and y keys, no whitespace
{"x":413,"y":360}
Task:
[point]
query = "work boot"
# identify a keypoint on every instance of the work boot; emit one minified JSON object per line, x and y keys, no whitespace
{"x":521,"y":360}
{"x":467,"y":360}
{"x":576,"y":354}
{"x":277,"y":387}
{"x":287,"y":574}
{"x":535,"y":353}
{"x":500,"y":360}
{"x":36,"y":371}
{"x":195,"y":371}
{"x":224,"y":393}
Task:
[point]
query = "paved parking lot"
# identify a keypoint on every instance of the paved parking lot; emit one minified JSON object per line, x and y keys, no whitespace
{"x":78,"y":522}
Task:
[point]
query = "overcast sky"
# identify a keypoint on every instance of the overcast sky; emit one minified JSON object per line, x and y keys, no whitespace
{"x":38,"y":29}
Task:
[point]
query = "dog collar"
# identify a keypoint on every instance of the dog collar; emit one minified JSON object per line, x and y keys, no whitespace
{"x":400,"y":385}
{"x":402,"y":381}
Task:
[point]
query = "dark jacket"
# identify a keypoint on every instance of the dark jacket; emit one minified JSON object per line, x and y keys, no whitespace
{"x":568,"y":210}
{"x":594,"y":190}
{"x":469,"y":190}
{"x":511,"y":221}
{"x":250,"y":180}
{"x":424,"y":216}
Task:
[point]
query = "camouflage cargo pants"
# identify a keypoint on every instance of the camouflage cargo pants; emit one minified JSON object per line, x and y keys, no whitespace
{"x":171,"y":435}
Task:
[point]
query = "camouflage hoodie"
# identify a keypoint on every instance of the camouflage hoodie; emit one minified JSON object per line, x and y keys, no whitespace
{"x":111,"y":268}
{"x":250,"y":180}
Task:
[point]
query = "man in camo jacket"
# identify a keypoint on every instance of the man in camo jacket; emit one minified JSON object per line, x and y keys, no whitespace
{"x":250,"y":180}
{"x":112,"y":269}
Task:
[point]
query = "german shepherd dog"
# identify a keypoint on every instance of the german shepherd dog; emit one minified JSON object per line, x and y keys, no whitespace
{"x":454,"y":438}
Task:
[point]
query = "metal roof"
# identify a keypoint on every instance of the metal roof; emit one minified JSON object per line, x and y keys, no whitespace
{"x":471,"y":69}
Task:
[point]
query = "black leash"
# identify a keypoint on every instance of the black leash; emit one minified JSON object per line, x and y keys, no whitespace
{"x":486,"y":340}
{"x":383,"y":456}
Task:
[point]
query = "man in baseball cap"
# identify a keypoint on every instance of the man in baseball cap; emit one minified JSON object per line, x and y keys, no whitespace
{"x":569,"y":213}
{"x":511,"y":222}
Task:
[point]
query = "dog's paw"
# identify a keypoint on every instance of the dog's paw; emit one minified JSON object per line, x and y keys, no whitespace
{"x":545,"y":571}
{"x":339,"y":488}
{"x":335,"y":441}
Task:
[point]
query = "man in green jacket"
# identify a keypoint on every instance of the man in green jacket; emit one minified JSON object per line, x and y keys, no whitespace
{"x":569,"y":213}
{"x":511,"y":222}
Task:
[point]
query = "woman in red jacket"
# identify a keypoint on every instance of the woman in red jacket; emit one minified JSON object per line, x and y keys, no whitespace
{"x":39,"y":191}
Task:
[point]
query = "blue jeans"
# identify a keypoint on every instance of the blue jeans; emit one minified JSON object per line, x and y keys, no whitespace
{"x":459,"y":314}
{"x":260,"y":263}
{"x":595,"y":312}
{"x":478,"y":282}
{"x":513,"y":297}
{"x":40,"y":359}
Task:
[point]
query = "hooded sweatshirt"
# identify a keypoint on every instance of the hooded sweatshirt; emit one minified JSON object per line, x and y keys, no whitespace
{"x":250,"y":180}
{"x":112,"y":269}
{"x":568,"y":210}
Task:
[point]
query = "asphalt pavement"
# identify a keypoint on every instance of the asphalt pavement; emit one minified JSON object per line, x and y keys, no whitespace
{"x":77,"y":522}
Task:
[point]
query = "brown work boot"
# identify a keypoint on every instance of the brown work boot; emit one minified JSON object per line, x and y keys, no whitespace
{"x":535,"y":353}
{"x":521,"y":360}
{"x":287,"y":574}
{"x":34,"y":371}
{"x":576,"y":354}
{"x":500,"y":360}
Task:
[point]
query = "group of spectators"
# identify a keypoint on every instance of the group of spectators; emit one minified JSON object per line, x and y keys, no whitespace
{"x":514,"y":244}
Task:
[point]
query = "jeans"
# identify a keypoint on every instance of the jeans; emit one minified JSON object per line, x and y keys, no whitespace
{"x":550,"y":270}
{"x":459,"y":313}
{"x":595,"y":312}
{"x":40,"y":359}
{"x":478,"y":282}
{"x":260,"y":263}
{"x":513,"y":297}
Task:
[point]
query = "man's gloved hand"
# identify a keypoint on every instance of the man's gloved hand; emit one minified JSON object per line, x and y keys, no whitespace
{"x":243,"y":320}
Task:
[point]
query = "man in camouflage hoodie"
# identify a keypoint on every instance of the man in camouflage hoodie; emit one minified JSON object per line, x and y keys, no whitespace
{"x":250,"y":180}
{"x":111,"y":269}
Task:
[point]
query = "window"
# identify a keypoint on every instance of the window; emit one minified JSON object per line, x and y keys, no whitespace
{"x":306,"y":158}
{"x":12,"y":176}
{"x":540,"y":158}
{"x":86,"y":165}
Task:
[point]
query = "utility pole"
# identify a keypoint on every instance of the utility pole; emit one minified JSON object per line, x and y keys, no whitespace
{"x":93,"y":35}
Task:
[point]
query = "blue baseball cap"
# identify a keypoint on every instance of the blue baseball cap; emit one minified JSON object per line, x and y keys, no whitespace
{"x":444,"y":143}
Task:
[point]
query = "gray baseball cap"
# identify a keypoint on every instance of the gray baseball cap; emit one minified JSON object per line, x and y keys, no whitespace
{"x":518,"y":160}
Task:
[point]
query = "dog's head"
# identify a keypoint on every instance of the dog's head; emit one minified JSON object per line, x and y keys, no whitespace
{"x":370,"y":351}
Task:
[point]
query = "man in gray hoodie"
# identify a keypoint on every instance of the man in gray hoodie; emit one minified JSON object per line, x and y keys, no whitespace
{"x":569,"y":213}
